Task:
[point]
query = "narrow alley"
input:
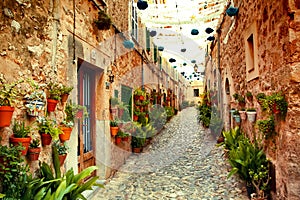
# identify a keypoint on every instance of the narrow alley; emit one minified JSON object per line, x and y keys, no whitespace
{"x":182,"y":162}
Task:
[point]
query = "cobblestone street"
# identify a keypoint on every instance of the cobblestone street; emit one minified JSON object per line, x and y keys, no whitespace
{"x":182,"y":162}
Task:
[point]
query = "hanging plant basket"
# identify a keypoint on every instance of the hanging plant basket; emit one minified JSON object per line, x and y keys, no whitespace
{"x":34,"y":108}
{"x":171,"y":60}
{"x":232,"y":11}
{"x":46,"y":139}
{"x":160,"y":48}
{"x":6,"y":113}
{"x":128,"y":44}
{"x":211,"y":38}
{"x":194,"y":32}
{"x":51,"y":105}
{"x":34,"y":153}
{"x":142,"y":5}
{"x":152,"y":33}
{"x":209,"y":30}
{"x":103,"y":21}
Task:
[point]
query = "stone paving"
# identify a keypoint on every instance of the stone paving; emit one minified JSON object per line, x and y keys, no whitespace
{"x":181,"y":163}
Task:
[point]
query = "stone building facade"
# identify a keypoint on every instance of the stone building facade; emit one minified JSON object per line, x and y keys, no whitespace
{"x":258,"y":51}
{"x":58,"y":41}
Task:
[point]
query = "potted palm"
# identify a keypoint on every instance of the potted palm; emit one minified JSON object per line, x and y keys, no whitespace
{"x":21,"y":136}
{"x":34,"y":149}
{"x":48,"y":130}
{"x":9,"y":93}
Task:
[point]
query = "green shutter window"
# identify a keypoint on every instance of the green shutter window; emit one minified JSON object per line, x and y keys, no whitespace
{"x":147,"y":40}
{"x":116,"y":93}
{"x":155,"y":53}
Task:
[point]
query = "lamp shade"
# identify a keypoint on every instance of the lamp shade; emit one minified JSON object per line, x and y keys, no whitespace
{"x":232,"y":11}
{"x":209,"y":30}
{"x":128,"y":44}
{"x":171,"y":60}
{"x":194,"y":32}
{"x":160,"y":48}
{"x":152,"y":33}
{"x":211,"y":38}
{"x":142,"y":5}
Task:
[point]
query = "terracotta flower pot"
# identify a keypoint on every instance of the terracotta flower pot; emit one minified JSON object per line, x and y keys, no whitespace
{"x":114,"y":131}
{"x":46,"y":139}
{"x":34,"y":153}
{"x":64,"y":98}
{"x":251,"y":116}
{"x":137,"y":149}
{"x":51,"y":105}
{"x":125,"y":139}
{"x":24,"y":141}
{"x":135,"y":117}
{"x":6,"y":113}
{"x":118,"y":140}
{"x":66,"y":133}
{"x":62,"y":158}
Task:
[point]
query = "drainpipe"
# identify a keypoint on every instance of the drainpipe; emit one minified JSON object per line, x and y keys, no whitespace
{"x":55,"y":22}
{"x":143,"y":53}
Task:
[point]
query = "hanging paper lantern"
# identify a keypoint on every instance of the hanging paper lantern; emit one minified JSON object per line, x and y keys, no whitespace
{"x":160,"y":48}
{"x":128,"y":44}
{"x":142,"y":5}
{"x":193,"y":61}
{"x":211,"y":38}
{"x":183,"y":50}
{"x":194,"y":32}
{"x":209,"y":30}
{"x":232,"y":11}
{"x":184,"y":64}
{"x":152,"y":33}
{"x":171,"y":60}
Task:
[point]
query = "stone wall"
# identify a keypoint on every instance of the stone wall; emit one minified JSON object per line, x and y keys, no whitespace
{"x":277,"y":37}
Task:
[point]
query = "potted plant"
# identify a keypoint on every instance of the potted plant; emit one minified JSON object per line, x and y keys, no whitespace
{"x":9,"y":93}
{"x":68,"y":123}
{"x":139,"y":94}
{"x":34,"y":149}
{"x":142,"y":5}
{"x":62,"y":150}
{"x":232,"y":11}
{"x":267,"y":127}
{"x":48,"y":130}
{"x":251,"y":114}
{"x":65,"y":92}
{"x":119,"y":136}
{"x":236,"y":116}
{"x":21,"y":135}
{"x":260,"y":97}
{"x":122,"y":107}
{"x":242,"y":113}
{"x":113,"y":105}
{"x":35,"y":97}
{"x":103,"y":21}
{"x":114,"y":128}
{"x":138,"y":139}
{"x":249,"y":95}
{"x":54,"y":90}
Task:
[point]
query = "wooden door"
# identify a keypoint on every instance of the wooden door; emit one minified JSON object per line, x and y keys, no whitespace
{"x":86,"y":129}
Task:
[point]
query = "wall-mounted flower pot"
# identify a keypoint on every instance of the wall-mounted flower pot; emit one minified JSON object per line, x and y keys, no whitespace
{"x":142,"y":5}
{"x":62,"y":158}
{"x":237,"y":118}
{"x":243,"y":114}
{"x":171,"y":60}
{"x":34,"y":153}
{"x":183,"y":50}
{"x":51,"y":105}
{"x":193,"y":61}
{"x":46,"y":139}
{"x":25,"y":142}
{"x":66,"y":134}
{"x":194,"y":32}
{"x":160,"y":48}
{"x":114,"y":131}
{"x":6,"y":113}
{"x":64,"y":98}
{"x":184,"y":64}
{"x":118,"y":140}
{"x":251,"y":116}
{"x":232,"y":11}
{"x":211,"y":38}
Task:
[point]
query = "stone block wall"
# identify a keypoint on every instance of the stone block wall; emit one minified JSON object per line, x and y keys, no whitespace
{"x":277,"y":37}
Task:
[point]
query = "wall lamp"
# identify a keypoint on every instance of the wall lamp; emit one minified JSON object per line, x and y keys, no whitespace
{"x":111,"y":77}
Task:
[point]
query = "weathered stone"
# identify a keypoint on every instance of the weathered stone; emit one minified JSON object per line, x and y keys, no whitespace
{"x":8,"y":13}
{"x":15,"y":25}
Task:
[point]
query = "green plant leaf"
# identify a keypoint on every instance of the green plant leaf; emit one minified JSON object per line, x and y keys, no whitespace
{"x":85,"y":173}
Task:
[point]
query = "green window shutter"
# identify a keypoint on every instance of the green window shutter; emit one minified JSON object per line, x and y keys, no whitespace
{"x":116,"y":93}
{"x":126,"y":98}
{"x":155,"y":53}
{"x":147,"y":40}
